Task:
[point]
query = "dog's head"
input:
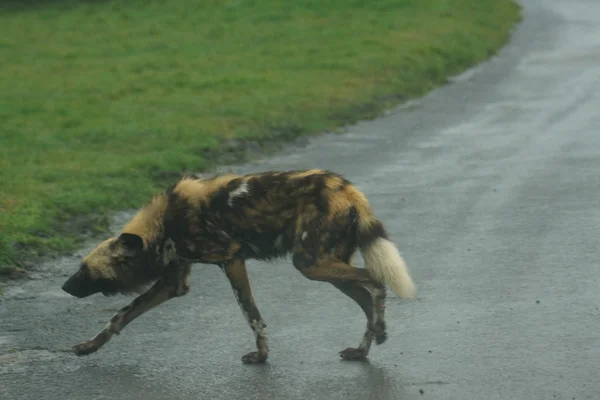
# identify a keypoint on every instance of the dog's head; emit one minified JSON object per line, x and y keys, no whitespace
{"x":108,"y":268}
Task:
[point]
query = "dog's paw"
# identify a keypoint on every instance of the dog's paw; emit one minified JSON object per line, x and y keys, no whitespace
{"x":254,"y":358}
{"x":352,"y":354}
{"x":380,"y":337}
{"x":85,"y":348}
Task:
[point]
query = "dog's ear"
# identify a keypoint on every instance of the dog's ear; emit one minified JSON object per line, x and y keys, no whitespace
{"x":131,"y":242}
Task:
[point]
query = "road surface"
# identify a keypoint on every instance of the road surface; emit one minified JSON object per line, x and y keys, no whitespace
{"x":491,"y":188}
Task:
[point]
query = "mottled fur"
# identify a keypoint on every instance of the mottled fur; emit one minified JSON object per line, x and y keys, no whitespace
{"x":316,"y":216}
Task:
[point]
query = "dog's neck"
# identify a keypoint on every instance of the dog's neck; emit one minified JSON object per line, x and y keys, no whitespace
{"x":148,"y":222}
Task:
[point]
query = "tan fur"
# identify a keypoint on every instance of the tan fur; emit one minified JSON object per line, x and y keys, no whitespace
{"x":341,"y":201}
{"x":196,"y":191}
{"x":147,"y":222}
{"x":99,"y":260}
{"x":334,"y":183}
{"x":366,"y":217}
{"x":305,"y":174}
{"x":338,"y":203}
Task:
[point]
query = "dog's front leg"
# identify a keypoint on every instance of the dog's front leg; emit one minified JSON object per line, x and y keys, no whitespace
{"x":238,"y":278}
{"x":174,"y":285}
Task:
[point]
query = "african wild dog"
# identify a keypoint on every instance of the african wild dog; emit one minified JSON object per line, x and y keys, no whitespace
{"x":317,"y":216}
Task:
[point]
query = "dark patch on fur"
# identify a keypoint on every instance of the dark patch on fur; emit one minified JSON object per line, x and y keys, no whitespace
{"x":303,"y":260}
{"x":376,"y":230}
{"x":132,"y":242}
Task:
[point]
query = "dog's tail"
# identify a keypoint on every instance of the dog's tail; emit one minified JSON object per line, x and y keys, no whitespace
{"x":382,"y":259}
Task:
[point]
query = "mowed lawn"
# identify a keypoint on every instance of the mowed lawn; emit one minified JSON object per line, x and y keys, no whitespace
{"x":98,"y":98}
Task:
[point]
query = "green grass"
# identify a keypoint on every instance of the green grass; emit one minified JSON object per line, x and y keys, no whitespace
{"x":98,"y":98}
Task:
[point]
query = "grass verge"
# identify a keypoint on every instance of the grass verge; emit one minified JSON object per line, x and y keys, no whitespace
{"x":101,"y":100}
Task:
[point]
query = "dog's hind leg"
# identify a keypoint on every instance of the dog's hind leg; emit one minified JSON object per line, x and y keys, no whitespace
{"x":174,"y":284}
{"x":368,"y":294}
{"x":319,"y":265}
{"x":238,"y":278}
{"x":371,"y":298}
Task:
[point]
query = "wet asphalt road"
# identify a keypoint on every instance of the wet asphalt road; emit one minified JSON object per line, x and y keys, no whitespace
{"x":491,"y":188}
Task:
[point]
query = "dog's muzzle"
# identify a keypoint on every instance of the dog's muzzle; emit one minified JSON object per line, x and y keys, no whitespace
{"x":80,"y":285}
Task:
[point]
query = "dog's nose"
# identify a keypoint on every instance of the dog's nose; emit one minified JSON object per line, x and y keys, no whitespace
{"x":77,"y":285}
{"x":77,"y":292}
{"x":65,"y":288}
{"x":71,"y":284}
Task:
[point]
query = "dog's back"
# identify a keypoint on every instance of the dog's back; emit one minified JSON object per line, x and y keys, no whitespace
{"x":265,"y":212}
